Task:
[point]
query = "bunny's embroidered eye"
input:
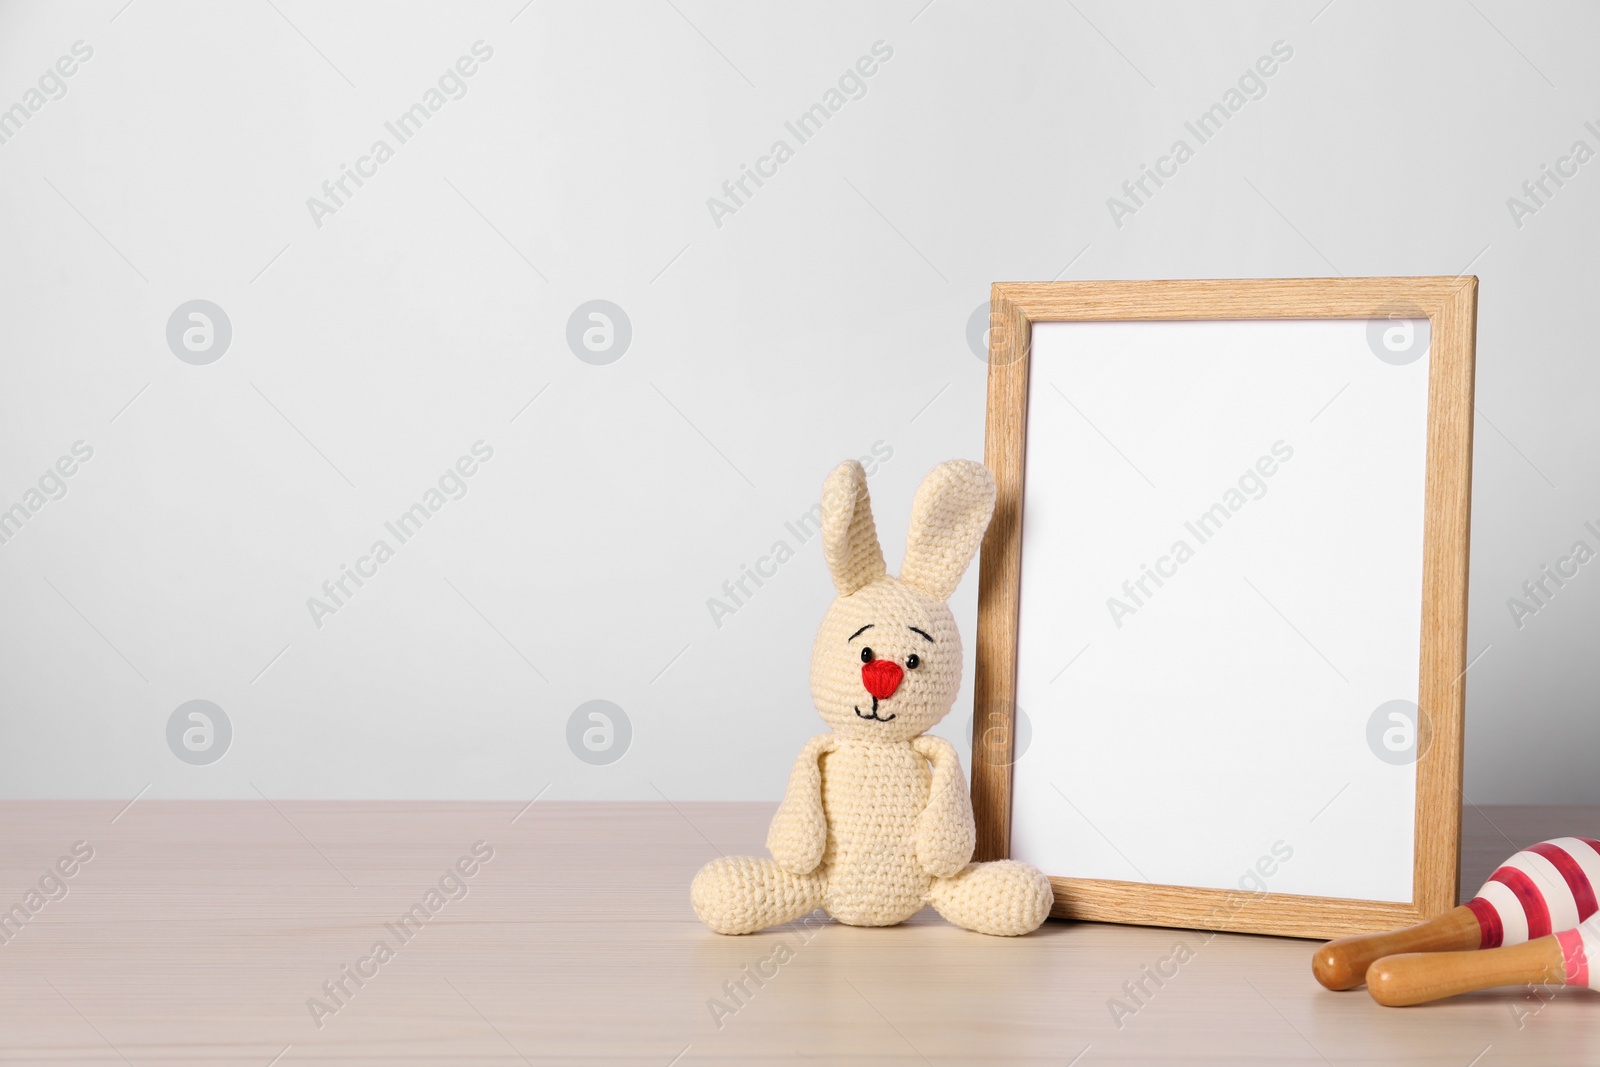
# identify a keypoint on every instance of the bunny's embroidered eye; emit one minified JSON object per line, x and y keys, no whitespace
{"x":866,"y":655}
{"x":913,"y":661}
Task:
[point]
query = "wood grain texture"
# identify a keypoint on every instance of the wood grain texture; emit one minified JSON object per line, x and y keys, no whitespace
{"x":1283,"y":914}
{"x":200,"y":929}
{"x":994,"y":686}
{"x":1227,"y":298}
{"x":1451,"y":306}
{"x":1446,"y":534}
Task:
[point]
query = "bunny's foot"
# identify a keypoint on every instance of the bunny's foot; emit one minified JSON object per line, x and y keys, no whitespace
{"x":742,"y":894}
{"x":1004,"y":898}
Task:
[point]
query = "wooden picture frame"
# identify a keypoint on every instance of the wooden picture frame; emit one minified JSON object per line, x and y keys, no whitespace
{"x":1450,"y":305}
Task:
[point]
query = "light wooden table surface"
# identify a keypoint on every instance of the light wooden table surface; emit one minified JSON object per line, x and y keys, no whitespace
{"x":198,"y":931}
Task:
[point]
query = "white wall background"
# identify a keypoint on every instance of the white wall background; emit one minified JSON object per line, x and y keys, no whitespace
{"x":829,"y":313}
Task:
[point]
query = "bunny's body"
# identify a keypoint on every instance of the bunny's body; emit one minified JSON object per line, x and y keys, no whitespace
{"x":876,"y":821}
{"x":870,"y":871}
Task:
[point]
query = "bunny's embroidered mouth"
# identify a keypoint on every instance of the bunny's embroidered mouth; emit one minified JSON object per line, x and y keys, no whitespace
{"x":874,"y":717}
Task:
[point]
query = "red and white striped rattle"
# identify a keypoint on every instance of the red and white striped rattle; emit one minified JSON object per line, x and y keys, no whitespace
{"x":1571,"y":957}
{"x":1544,"y":888}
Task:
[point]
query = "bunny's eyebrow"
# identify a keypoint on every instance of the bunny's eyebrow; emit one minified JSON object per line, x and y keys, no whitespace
{"x":924,"y":633}
{"x":859,"y":632}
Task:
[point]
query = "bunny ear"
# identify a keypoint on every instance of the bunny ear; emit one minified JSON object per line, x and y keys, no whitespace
{"x":948,"y":519}
{"x":849,"y":538}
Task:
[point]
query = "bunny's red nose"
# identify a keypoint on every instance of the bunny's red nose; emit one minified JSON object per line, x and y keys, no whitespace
{"x":881,"y":677}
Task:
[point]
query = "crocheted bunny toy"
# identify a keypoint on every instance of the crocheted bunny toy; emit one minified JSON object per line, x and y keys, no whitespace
{"x":876,"y":821}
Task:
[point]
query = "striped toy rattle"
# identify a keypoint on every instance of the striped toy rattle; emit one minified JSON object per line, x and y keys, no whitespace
{"x":1545,"y":888}
{"x":1571,"y":957}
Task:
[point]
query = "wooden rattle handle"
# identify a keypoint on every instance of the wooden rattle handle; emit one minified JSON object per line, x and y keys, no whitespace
{"x":1418,"y":977}
{"x":1343,"y":964}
